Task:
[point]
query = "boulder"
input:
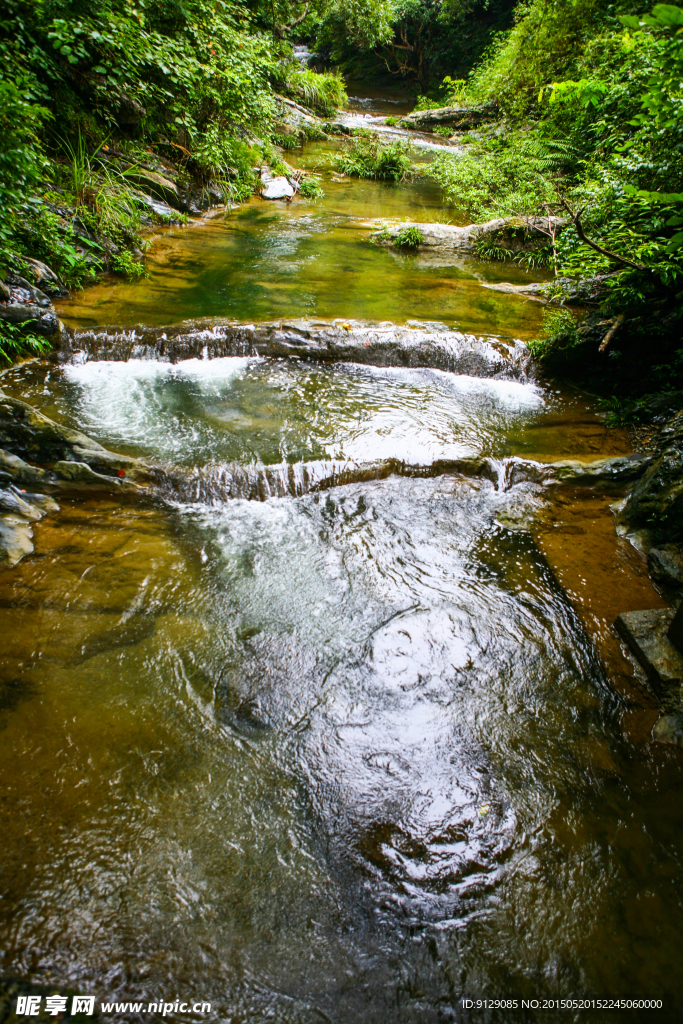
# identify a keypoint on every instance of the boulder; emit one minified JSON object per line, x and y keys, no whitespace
{"x":46,"y":279}
{"x":130,"y":111}
{"x":337,"y":128}
{"x":453,"y":117}
{"x":656,"y":502}
{"x":513,"y":233}
{"x":275,"y":187}
{"x":665,"y":564}
{"x":35,"y":319}
{"x":646,"y":633}
{"x":32,"y":435}
{"x":22,"y":291}
{"x":675,"y":633}
{"x":157,"y":185}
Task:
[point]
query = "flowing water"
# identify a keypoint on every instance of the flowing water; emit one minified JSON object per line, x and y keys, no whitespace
{"x":347,"y":756}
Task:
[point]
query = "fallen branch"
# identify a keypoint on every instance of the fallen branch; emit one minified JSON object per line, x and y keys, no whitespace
{"x":576,"y":218}
{"x":616,"y":324}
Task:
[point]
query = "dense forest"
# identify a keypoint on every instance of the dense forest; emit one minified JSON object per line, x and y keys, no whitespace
{"x":584,"y":100}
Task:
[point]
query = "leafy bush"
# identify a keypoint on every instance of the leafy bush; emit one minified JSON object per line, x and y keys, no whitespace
{"x":488,"y":250}
{"x":559,"y":329}
{"x":22,"y":162}
{"x":409,"y":238}
{"x":515,"y":175}
{"x":366,"y":156}
{"x":125,"y":264}
{"x":17,"y":342}
{"x":310,"y":187}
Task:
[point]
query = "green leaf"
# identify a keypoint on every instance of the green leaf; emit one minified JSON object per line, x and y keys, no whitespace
{"x":675,"y":243}
{"x":667,"y":14}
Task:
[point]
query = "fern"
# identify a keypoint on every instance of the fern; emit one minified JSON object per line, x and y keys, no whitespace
{"x":548,"y":156}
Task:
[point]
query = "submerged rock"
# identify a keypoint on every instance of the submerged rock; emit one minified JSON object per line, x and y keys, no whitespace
{"x":669,"y":729}
{"x":17,"y":513}
{"x":71,"y":462}
{"x":16,"y":540}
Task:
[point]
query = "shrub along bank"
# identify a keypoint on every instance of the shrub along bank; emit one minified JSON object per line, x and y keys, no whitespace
{"x":591,"y":105}
{"x":116,"y":114}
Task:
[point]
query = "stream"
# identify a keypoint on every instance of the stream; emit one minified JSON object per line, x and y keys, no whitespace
{"x":352,"y":755}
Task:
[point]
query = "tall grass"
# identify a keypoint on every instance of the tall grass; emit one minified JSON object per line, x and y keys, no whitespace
{"x":365,"y":156}
{"x":102,"y":196}
{"x":324,"y":92}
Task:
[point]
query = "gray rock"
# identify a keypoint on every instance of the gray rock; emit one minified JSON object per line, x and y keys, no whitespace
{"x":669,"y":729}
{"x":645,"y":632}
{"x":14,"y":468}
{"x":46,"y":279}
{"x":675,"y":633}
{"x":34,"y":319}
{"x":22,"y":291}
{"x":666,"y":565}
{"x":16,"y":540}
{"x":513,"y":232}
{"x":130,"y":111}
{"x":25,"y":431}
{"x":616,"y":467}
{"x":337,"y":128}
{"x":277,"y":188}
{"x":454,"y":117}
{"x":656,"y":502}
{"x":157,"y":185}
{"x":10,"y":501}
{"x":377,"y":345}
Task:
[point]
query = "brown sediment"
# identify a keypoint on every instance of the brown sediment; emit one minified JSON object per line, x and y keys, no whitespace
{"x":603,"y":575}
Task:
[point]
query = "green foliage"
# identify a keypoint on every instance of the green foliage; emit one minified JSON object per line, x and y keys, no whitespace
{"x":499,"y":176}
{"x":488,"y":250}
{"x":366,"y":156}
{"x":594,"y":132}
{"x":544,"y":45}
{"x":419,"y":40}
{"x":310,"y":187}
{"x":323,"y":92}
{"x":392,"y":121}
{"x":409,"y":238}
{"x":125,"y":264}
{"x":22,"y":163}
{"x":191,"y":77}
{"x":559,"y":329}
{"x":16,"y":341}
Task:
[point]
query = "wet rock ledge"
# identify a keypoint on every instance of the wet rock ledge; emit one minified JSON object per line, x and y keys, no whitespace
{"x":67,"y":462}
{"x":415,"y":345}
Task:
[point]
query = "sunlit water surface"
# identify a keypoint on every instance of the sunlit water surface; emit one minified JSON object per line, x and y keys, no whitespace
{"x":345,"y":757}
